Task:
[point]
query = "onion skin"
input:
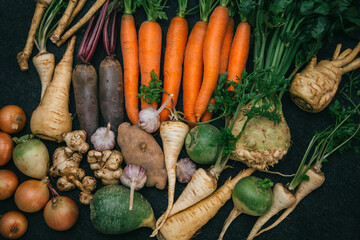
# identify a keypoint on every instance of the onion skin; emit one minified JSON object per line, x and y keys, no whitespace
{"x":32,"y":195}
{"x":8,"y":183}
{"x":6,"y":148}
{"x":61,"y":213}
{"x":12,"y":119}
{"x":13,"y":225}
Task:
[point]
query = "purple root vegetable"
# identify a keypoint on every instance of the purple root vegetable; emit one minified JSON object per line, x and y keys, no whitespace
{"x":84,"y":77}
{"x":111,"y":83}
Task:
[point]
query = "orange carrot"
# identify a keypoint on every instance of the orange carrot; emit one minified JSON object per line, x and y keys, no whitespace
{"x":226,"y":46}
{"x":239,"y":52}
{"x":193,"y":61}
{"x":208,"y":115}
{"x":150,"y":44}
{"x":130,"y":53}
{"x":174,"y":56}
{"x":212,"y":45}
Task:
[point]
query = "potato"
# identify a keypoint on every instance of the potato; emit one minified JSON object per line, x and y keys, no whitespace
{"x":140,"y":148}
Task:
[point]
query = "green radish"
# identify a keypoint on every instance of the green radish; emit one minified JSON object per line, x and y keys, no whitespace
{"x":202,"y":144}
{"x":110,"y":214}
{"x":252,"y":196}
{"x":31,"y":156}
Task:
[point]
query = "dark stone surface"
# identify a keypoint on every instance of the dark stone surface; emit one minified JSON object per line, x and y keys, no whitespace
{"x":331,"y":212}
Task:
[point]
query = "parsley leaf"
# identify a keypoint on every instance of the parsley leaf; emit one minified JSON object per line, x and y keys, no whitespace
{"x":228,"y":140}
{"x":152,"y":92}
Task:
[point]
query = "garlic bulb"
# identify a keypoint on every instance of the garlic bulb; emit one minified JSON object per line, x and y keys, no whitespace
{"x":149,"y":118}
{"x":185,"y":169}
{"x":135,"y":178}
{"x":103,"y":139}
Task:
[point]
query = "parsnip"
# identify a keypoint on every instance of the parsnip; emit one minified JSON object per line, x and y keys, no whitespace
{"x":52,"y":118}
{"x":183,"y":226}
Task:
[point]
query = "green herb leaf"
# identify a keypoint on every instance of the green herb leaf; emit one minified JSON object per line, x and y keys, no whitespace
{"x":227,"y":140}
{"x":152,"y":92}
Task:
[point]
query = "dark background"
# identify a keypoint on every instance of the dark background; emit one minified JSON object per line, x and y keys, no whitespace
{"x":331,"y":212}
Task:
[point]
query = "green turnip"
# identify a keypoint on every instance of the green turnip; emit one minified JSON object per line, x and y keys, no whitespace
{"x":252,"y":196}
{"x":31,"y":156}
{"x":202,"y":144}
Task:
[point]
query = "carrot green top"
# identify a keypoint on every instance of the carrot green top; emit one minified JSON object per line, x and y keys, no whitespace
{"x":130,"y":6}
{"x":154,"y":9}
{"x":182,"y":8}
{"x":224,"y":3}
{"x":205,"y":8}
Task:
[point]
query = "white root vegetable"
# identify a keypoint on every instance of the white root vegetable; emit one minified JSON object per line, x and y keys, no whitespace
{"x":313,"y":89}
{"x":76,"y":11}
{"x":233,"y":214}
{"x":63,"y":21}
{"x":316,"y":179}
{"x":183,"y":225}
{"x":173,"y":135}
{"x":282,"y":199}
{"x":263,"y":143}
{"x":24,"y":55}
{"x":201,"y":185}
{"x":52,"y":118}
{"x":44,"y":64}
{"x":96,"y":6}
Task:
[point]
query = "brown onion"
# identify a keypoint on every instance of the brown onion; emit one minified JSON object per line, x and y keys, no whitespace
{"x":61,"y":213}
{"x":12,"y":119}
{"x":8,"y":183}
{"x":6,"y":148}
{"x":13,"y":225}
{"x":32,"y":195}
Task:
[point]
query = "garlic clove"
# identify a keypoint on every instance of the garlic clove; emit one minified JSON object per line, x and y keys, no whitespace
{"x":185,"y":169}
{"x":135,"y":178}
{"x":149,"y":120}
{"x":103,"y":139}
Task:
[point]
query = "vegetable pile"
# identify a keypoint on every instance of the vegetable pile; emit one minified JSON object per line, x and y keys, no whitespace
{"x":208,"y":106}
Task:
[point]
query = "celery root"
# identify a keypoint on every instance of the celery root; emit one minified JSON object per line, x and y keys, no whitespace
{"x":52,"y":118}
{"x":262,"y":143}
{"x":313,"y":89}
